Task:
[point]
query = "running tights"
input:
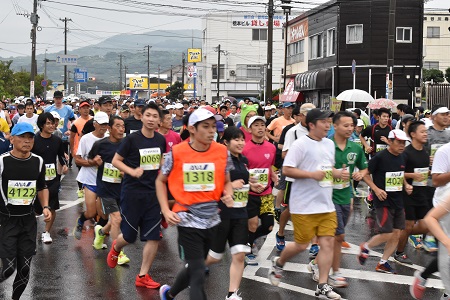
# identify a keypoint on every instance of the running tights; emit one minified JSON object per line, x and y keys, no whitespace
{"x":7,"y":268}
{"x":193,"y":276}
{"x":430,"y":269}
{"x":267,"y":221}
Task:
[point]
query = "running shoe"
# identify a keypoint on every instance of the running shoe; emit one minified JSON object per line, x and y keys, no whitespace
{"x":429,"y":244}
{"x":280,"y":242}
{"x":147,"y":282}
{"x":255,"y":250}
{"x":277,"y":214}
{"x":122,"y":259}
{"x":163,"y":292}
{"x":313,"y":251}
{"x":234,"y":296}
{"x":275,"y":272}
{"x":77,"y":230}
{"x":345,"y":245}
{"x":363,"y":254}
{"x":80,"y":193}
{"x":98,"y":238}
{"x":250,"y":260}
{"x":417,"y":288}
{"x":326,"y":292}
{"x":336,"y":280}
{"x":402,"y":258}
{"x":415,"y":241}
{"x":46,"y":238}
{"x":314,"y":269}
{"x":385,"y":268}
{"x":113,"y":256}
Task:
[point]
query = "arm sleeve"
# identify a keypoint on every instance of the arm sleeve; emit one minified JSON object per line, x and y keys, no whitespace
{"x":168,"y":164}
{"x":71,"y":115}
{"x":124,"y":147}
{"x":367,"y":132}
{"x":440,"y":162}
{"x":73,"y":129}
{"x":94,"y":150}
{"x":294,"y":156}
{"x":362,"y":161}
{"x":40,"y":183}
{"x":272,"y":125}
{"x":373,"y":164}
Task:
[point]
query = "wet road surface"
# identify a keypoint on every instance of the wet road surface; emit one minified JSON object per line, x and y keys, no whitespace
{"x":72,"y":269}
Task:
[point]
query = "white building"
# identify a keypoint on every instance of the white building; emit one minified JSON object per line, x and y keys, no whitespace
{"x":436,"y":40}
{"x":243,"y":45}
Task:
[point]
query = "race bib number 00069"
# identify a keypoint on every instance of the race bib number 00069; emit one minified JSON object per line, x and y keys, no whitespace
{"x":150,"y":158}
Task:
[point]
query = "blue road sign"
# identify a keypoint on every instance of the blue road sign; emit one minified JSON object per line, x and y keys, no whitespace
{"x":80,"y":75}
{"x":55,"y":85}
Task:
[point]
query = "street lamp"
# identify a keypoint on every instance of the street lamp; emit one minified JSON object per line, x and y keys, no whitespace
{"x":287,"y":11}
{"x":217,"y":49}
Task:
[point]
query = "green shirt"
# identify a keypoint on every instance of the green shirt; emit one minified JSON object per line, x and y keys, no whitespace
{"x":352,"y":156}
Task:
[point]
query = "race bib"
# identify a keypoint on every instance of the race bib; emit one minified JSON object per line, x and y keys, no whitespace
{"x":327,"y":181}
{"x":424,"y":172}
{"x":111,"y":174}
{"x":358,"y":141}
{"x":262,"y":175}
{"x":394,"y":181}
{"x":50,"y":172}
{"x":199,"y":177}
{"x":380,"y":147}
{"x":21,"y":192}
{"x":339,"y":184}
{"x":241,"y":196}
{"x":434,"y":148}
{"x":131,"y":131}
{"x":150,"y":158}
{"x":60,"y":124}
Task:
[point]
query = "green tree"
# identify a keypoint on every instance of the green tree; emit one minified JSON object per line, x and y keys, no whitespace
{"x":176,"y":90}
{"x":6,"y":78}
{"x":433,"y":74}
{"x":447,"y":74}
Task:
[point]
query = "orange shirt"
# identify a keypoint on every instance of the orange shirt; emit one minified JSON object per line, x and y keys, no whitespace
{"x":79,"y":124}
{"x":278,"y":124}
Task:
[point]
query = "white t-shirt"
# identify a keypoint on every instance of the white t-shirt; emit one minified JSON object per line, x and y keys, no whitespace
{"x":31,"y":120}
{"x":441,"y":165}
{"x":309,"y":196}
{"x":292,"y":135}
{"x":87,"y":175}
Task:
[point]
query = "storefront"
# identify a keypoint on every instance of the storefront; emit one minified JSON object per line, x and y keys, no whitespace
{"x":315,"y":86}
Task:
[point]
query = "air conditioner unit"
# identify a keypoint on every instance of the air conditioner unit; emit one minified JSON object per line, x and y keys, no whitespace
{"x":232,"y":73}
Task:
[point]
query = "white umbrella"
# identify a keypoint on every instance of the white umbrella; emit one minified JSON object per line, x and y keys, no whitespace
{"x":355,"y":95}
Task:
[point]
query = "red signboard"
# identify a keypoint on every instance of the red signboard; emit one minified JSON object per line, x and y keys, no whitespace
{"x":289,"y":95}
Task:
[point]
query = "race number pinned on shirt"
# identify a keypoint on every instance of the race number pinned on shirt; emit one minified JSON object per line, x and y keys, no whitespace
{"x":424,"y":172}
{"x":339,"y":184}
{"x":380,"y":147}
{"x":60,"y":124}
{"x":261,"y":175}
{"x":50,"y":172}
{"x":199,"y":177}
{"x":434,"y":148}
{"x":150,"y":158}
{"x":21,"y":192}
{"x":327,"y":181}
{"x":241,"y":196}
{"x":111,"y":174}
{"x":394,"y":181}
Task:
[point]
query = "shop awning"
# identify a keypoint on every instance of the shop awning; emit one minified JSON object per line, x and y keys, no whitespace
{"x":289,"y":94}
{"x":313,"y":80}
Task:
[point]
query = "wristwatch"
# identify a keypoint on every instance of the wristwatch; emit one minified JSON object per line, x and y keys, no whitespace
{"x":47,"y":207}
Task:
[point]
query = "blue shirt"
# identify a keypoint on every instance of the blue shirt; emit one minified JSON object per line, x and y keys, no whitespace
{"x":66,"y":114}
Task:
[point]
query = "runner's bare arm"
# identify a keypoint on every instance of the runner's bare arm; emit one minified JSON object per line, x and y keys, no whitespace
{"x":119,"y":164}
{"x":161,"y":192}
{"x":440,"y":179}
{"x":382,"y":195}
{"x":43,"y":199}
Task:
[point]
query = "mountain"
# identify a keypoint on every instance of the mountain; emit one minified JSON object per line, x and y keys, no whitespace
{"x":102,"y":59}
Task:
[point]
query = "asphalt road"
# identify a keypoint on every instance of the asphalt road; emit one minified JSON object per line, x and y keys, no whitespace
{"x":72,"y":269}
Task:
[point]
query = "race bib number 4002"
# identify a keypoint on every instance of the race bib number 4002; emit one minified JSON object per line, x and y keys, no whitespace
{"x":394,"y":181}
{"x":21,"y":192}
{"x":150,"y":158}
{"x":199,"y":177}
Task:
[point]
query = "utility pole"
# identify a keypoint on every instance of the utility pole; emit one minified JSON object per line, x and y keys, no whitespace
{"x":218,"y":72}
{"x":125,"y":76}
{"x":270,"y":12}
{"x":287,"y":10}
{"x":34,"y":19}
{"x":183,"y":61}
{"x":148,"y":68}
{"x":390,"y":51}
{"x":65,"y":20}
{"x":120,"y":71}
{"x":159,"y":78}
{"x":171,"y":74}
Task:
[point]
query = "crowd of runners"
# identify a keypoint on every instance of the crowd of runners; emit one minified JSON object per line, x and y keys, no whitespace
{"x":223,"y":173}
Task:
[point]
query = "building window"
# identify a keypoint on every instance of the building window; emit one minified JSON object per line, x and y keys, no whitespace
{"x":425,"y":18}
{"x":355,"y":34}
{"x":214,"y":71}
{"x":439,"y":18}
{"x":433,"y":32}
{"x":331,"y":37}
{"x":404,"y":35}
{"x":259,"y":34}
{"x":446,"y":18}
{"x":431,"y":65}
{"x":432,"y":18}
{"x":315,"y":46}
{"x":296,"y":52}
{"x":249,"y":71}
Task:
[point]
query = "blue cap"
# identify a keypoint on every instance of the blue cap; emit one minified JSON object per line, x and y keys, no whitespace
{"x":139,"y":102}
{"x":21,"y":128}
{"x":287,"y":104}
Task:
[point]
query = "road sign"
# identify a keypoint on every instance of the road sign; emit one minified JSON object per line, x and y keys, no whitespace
{"x":44,"y":83}
{"x":55,"y":85}
{"x":353,"y":67}
{"x":190,"y":74}
{"x":194,"y":55}
{"x":63,"y":59}
{"x":191,"y":68}
{"x":80,"y":75}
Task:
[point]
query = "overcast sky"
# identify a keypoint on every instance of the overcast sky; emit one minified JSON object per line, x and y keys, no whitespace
{"x":95,"y":20}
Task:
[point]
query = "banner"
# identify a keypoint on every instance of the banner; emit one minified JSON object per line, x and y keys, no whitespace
{"x":257,"y":21}
{"x":137,"y":83}
{"x":194,"y":55}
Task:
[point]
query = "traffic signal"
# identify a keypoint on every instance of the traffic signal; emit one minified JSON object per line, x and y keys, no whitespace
{"x":91,"y":78}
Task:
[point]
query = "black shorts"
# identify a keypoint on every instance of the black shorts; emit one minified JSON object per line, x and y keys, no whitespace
{"x":53,"y":196}
{"x":235,"y":231}
{"x":282,"y":182}
{"x":389,"y":218}
{"x":414,"y":213}
{"x":194,"y":243}
{"x":18,"y":236}
{"x":109,"y":205}
{"x":253,"y":206}
{"x":287,"y":193}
